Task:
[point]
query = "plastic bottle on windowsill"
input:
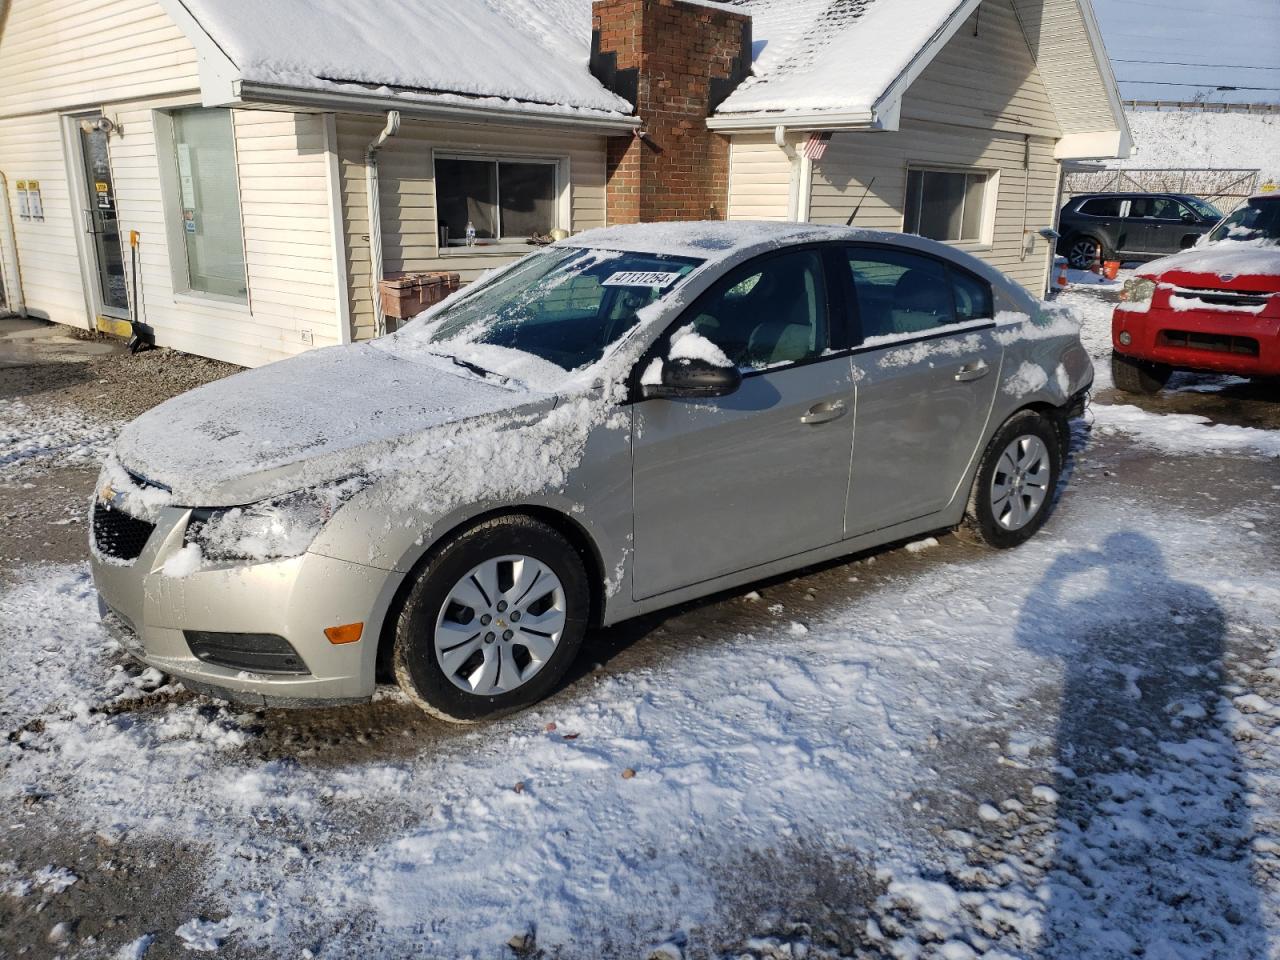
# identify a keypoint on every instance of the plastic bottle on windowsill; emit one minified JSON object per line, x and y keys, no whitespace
{"x":471,"y":234}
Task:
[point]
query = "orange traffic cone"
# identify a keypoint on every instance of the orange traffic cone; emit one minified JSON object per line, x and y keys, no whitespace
{"x":1062,"y":273}
{"x":1096,"y":266}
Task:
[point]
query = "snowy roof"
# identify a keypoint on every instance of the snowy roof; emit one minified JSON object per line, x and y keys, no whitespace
{"x":834,"y":56}
{"x":528,"y":53}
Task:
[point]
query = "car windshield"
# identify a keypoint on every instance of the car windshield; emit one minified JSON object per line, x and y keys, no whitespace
{"x":1256,"y":220}
{"x":566,"y":306}
{"x":1206,"y":210}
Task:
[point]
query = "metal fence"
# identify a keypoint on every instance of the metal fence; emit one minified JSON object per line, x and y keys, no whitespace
{"x":1225,"y":189}
{"x":1201,"y":106}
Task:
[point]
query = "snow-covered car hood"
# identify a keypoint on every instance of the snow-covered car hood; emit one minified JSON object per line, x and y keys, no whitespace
{"x":299,"y":422}
{"x":1234,"y":259}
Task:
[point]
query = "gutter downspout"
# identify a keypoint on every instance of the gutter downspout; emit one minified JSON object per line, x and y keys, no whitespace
{"x":375,"y":218}
{"x":793,"y":191}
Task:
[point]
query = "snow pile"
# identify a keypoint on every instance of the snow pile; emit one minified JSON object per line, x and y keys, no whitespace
{"x":1185,"y":433}
{"x":688,"y":344}
{"x":1029,"y":378}
{"x":532,"y":52}
{"x":1195,"y":139}
{"x":821,"y":744}
{"x":41,"y":435}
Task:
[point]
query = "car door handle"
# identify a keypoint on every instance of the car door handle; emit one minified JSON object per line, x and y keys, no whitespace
{"x":824,"y":412}
{"x":973,"y":371}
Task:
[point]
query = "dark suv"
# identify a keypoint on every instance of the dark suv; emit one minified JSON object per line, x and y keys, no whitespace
{"x":1131,"y":226}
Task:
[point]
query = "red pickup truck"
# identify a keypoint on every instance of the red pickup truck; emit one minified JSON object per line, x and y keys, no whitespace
{"x":1215,"y":307}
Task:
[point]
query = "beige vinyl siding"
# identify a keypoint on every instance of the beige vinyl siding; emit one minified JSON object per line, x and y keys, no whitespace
{"x":759,"y":178}
{"x":981,"y":105}
{"x":985,"y":77}
{"x":48,"y":261}
{"x":289,"y":259}
{"x":407,"y":194}
{"x":64,"y":54}
{"x":1055,"y":30}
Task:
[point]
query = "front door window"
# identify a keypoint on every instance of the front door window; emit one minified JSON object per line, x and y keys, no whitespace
{"x":100,"y":219}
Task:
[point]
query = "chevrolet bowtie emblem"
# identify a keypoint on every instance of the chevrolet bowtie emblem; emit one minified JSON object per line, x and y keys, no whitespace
{"x":106,"y":494}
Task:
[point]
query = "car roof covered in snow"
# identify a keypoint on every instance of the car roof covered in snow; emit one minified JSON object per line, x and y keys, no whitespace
{"x":731,"y":241}
{"x":713,"y":240}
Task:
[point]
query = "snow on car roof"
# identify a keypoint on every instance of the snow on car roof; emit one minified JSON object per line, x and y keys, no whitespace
{"x":712,"y":239}
{"x":532,"y":52}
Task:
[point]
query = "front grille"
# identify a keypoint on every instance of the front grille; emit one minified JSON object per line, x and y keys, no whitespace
{"x":1215,"y":342}
{"x":1226,"y":298}
{"x":119,"y":535}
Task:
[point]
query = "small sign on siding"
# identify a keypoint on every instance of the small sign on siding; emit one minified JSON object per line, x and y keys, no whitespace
{"x":35,"y":206}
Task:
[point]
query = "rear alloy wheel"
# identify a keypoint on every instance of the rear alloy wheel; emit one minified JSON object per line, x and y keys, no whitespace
{"x":1138,"y":376}
{"x":494,"y":621}
{"x":1084,"y":252}
{"x":1014,"y":489}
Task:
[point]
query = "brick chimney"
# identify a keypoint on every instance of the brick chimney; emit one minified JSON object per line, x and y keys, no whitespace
{"x":676,"y":62}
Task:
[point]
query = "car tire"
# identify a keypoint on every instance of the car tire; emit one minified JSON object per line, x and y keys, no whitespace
{"x":1017,"y":480}
{"x":434,"y":625}
{"x":1138,"y":376}
{"x":1083,"y":250}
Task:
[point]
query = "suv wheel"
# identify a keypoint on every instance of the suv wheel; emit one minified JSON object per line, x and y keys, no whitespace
{"x":1016,"y":482}
{"x":1084,"y":252}
{"x":493,"y":622}
{"x":1138,"y":376}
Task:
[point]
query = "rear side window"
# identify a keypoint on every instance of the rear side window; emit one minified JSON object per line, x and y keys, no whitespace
{"x":900,"y":293}
{"x":768,"y":312}
{"x":973,"y":297}
{"x":1101,"y":207}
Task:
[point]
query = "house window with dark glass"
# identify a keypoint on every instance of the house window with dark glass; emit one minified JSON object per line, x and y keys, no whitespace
{"x":503,"y":199}
{"x":946,"y":205}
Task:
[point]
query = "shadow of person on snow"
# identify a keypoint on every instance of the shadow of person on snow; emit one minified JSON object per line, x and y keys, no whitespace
{"x":1151,"y":848}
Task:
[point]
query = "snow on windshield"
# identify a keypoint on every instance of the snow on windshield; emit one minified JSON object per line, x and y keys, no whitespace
{"x":555,"y":312}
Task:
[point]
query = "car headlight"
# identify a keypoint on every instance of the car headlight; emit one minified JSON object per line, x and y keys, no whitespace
{"x":272,"y":529}
{"x":1138,"y":290}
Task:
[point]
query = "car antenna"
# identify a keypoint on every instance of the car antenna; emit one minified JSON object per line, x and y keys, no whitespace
{"x":849,"y":222}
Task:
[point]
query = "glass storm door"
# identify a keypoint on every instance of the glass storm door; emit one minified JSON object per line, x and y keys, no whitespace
{"x":100,"y":221}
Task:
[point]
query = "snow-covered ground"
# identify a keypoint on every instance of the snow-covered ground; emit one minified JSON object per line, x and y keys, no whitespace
{"x":1071,"y":750}
{"x":1196,"y":139}
{"x":33,"y":435}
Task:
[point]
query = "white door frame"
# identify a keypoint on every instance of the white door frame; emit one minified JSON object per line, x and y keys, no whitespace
{"x":78,"y":197}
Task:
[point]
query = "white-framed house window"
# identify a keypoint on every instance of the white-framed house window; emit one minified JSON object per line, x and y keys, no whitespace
{"x":507,"y":199}
{"x":955,"y":206}
{"x":201,"y":190}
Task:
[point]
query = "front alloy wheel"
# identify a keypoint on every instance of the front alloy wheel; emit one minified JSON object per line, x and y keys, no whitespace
{"x":500,"y":625}
{"x":492,"y":621}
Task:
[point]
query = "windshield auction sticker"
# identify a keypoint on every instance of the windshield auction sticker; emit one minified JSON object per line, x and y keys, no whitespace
{"x":642,"y":279}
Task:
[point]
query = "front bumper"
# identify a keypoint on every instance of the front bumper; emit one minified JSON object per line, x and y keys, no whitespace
{"x":296,"y":599}
{"x":1212,"y":340}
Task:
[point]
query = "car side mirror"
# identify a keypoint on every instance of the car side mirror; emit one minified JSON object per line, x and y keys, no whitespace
{"x":1188,"y":217}
{"x":685,"y":377}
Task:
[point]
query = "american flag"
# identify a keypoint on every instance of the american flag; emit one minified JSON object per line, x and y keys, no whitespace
{"x":816,"y":145}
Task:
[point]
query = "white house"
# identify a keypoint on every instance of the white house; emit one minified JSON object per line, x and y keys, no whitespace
{"x":199,"y":170}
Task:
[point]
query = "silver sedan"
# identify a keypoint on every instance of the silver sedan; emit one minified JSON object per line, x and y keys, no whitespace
{"x":620,"y":422}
